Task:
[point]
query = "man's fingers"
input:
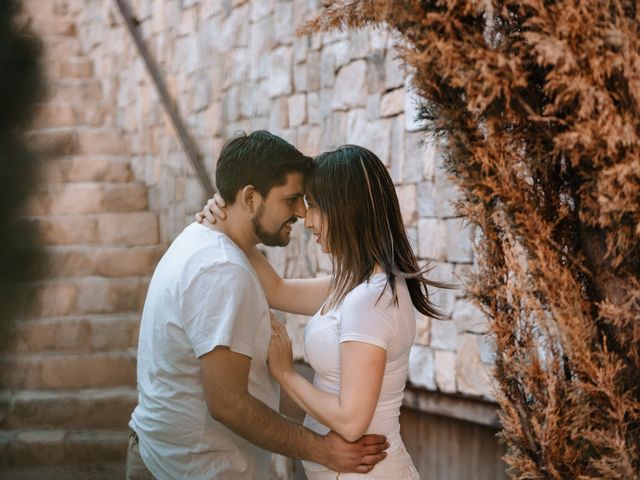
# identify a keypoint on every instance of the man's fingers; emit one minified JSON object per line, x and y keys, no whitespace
{"x":372,"y":439}
{"x":371,"y":460}
{"x":376,"y":448}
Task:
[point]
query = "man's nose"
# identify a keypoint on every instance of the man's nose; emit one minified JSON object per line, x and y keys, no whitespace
{"x":300,"y":210}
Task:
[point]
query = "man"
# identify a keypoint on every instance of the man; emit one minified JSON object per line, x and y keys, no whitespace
{"x":206,"y":401}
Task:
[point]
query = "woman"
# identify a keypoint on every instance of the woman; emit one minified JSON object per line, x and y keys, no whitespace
{"x":363,"y":323}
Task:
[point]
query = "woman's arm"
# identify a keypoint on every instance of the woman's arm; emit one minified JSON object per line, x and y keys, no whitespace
{"x":362,"y":368}
{"x":303,"y":296}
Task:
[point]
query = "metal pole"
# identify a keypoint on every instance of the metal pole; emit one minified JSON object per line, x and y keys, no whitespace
{"x":169,"y":105}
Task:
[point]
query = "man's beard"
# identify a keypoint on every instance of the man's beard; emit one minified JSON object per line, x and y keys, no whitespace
{"x":277,"y":239}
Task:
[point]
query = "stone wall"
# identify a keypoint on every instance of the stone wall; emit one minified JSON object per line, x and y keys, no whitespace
{"x":237,"y":65}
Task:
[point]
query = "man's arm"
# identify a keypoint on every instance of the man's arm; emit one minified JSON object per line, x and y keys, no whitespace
{"x":225,"y":378}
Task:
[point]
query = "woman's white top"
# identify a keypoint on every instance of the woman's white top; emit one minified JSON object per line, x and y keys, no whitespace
{"x":367,"y":314}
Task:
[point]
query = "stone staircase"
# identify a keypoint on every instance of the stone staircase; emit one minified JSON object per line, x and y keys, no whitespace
{"x":69,"y":371}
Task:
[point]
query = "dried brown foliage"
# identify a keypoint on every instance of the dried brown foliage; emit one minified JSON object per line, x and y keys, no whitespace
{"x":538,"y":106}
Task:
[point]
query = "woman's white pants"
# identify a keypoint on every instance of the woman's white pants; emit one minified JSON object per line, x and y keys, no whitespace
{"x":397,"y":466}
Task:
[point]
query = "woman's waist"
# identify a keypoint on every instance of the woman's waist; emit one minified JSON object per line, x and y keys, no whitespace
{"x":395,"y":445}
{"x":387,"y":426}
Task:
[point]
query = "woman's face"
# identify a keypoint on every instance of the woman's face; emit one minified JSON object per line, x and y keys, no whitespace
{"x":317,"y":222}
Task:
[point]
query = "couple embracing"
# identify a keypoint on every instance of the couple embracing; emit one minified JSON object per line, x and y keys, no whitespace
{"x":212,"y":358}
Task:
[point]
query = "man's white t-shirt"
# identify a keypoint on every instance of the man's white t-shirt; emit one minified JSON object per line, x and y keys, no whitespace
{"x":203,"y":293}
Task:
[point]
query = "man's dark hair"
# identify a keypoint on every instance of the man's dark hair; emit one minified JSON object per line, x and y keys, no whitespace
{"x":261,"y":159}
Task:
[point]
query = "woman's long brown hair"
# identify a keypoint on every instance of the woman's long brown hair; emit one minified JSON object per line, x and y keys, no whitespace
{"x":352,"y":187}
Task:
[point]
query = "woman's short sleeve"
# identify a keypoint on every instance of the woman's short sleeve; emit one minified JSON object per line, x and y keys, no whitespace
{"x":368,"y":317}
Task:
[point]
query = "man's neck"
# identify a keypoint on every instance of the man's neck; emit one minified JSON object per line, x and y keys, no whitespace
{"x":239,"y":234}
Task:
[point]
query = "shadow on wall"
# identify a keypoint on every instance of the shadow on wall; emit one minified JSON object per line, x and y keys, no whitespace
{"x":21,"y":87}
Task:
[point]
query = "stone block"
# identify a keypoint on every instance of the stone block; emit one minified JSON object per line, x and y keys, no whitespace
{"x":309,"y":140}
{"x":261,"y":9}
{"x":300,"y":47}
{"x":459,"y":235}
{"x":421,"y":367}
{"x":358,"y":42}
{"x":46,"y":25}
{"x":53,"y":142}
{"x":407,"y":201}
{"x":351,"y":86}
{"x":423,"y":329}
{"x":300,"y":77}
{"x":443,"y":335}
{"x":468,"y":318}
{"x":74,"y":198}
{"x":136,"y":228}
{"x":393,"y":70}
{"x":88,"y":371}
{"x":52,"y":299}
{"x":297,"y":109}
{"x":313,"y":110}
{"x":87,"y":169}
{"x":427,"y":200}
{"x":77,"y":90}
{"x":445,"y":370}
{"x":188,"y":21}
{"x":375,"y":72}
{"x":432,"y":239}
{"x":334,"y":130}
{"x":378,"y":37}
{"x":67,"y":229}
{"x":115,"y":295}
{"x":414,"y":153}
{"x":112,"y":333}
{"x":101,"y":141}
{"x":54,"y":115}
{"x":472,"y":376}
{"x":398,"y":156}
{"x":377,"y":138}
{"x":283,"y":20}
{"x":314,"y":71}
{"x":392,"y":103}
{"x":279,"y":79}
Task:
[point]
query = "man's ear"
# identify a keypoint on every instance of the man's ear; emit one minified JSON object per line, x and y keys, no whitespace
{"x":250,"y":198}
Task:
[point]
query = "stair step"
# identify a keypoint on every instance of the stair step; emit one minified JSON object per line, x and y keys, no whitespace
{"x":58,"y":114}
{"x":59,"y":447}
{"x":53,"y":142}
{"x":122,"y":229}
{"x":89,"y":295}
{"x":71,"y":140}
{"x":93,"y":471}
{"x":75,"y":90}
{"x":51,"y":8}
{"x":64,"y":371}
{"x":87,"y":168}
{"x":88,"y":197}
{"x":50,"y":25}
{"x":75,"y":334}
{"x":79,"y":409}
{"x":60,"y":46}
{"x":85,"y":261}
